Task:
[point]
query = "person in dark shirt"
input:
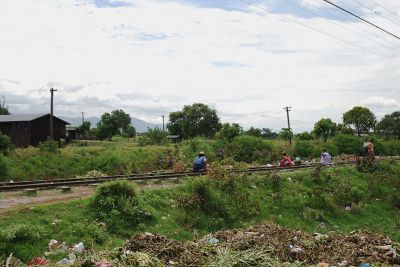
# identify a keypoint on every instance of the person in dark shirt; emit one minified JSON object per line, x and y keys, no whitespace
{"x":200,"y":163}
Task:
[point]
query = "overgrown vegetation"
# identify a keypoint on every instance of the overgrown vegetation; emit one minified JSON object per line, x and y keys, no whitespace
{"x":116,"y":204}
{"x":340,"y":199}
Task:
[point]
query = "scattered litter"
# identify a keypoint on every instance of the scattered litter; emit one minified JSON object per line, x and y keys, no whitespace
{"x":348,"y":208}
{"x":103,"y":263}
{"x":343,"y":263}
{"x":323,"y":264}
{"x":79,"y":248}
{"x":38,"y":261}
{"x":212,"y":240}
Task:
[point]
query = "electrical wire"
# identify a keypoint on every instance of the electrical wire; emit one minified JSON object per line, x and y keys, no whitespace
{"x":339,"y":25}
{"x":318,"y":30}
{"x":360,"y":18}
{"x":377,"y":13}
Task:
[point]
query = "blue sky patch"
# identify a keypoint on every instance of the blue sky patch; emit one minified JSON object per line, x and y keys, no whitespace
{"x":110,"y":3}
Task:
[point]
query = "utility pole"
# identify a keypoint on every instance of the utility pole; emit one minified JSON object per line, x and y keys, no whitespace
{"x":288,"y":123}
{"x":163,"y":128}
{"x":51,"y":113}
{"x":83,"y":118}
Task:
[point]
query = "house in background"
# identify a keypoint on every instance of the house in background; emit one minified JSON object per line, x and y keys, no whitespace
{"x":30,"y":129}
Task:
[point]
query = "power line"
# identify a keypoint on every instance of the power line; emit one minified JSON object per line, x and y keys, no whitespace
{"x":360,"y":18}
{"x":379,"y":38}
{"x":391,"y":12}
{"x":318,"y":30}
{"x":339,"y":25}
{"x":377,"y":13}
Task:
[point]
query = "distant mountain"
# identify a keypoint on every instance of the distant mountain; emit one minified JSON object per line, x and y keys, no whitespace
{"x":140,"y":125}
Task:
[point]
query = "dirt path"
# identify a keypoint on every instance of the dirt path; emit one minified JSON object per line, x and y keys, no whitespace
{"x":17,"y":199}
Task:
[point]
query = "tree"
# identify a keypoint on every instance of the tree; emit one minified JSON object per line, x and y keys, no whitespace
{"x":385,"y":126}
{"x":396,"y":123}
{"x":305,"y":136}
{"x":389,"y":125}
{"x":285,"y":133}
{"x":112,"y":124}
{"x":344,"y":129}
{"x":194,"y":120}
{"x":325,"y":128}
{"x":155,"y":136}
{"x":129,"y":131}
{"x":230,"y":131}
{"x":84,"y":129}
{"x":361,"y":118}
{"x":254,"y":132}
{"x":3,"y":108}
{"x":267,"y":133}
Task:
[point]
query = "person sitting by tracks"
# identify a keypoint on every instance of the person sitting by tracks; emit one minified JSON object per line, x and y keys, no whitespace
{"x":200,"y":163}
{"x":370,"y":151}
{"x":326,"y":158}
{"x":365,"y":147}
{"x":297,"y":160}
{"x":286,"y":161}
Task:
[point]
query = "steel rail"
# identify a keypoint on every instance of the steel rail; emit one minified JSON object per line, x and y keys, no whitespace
{"x":41,"y":184}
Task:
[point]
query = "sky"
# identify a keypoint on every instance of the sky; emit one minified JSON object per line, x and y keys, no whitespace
{"x":245,"y":58}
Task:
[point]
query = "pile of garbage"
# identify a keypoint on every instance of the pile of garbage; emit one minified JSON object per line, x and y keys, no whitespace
{"x":169,"y":251}
{"x":355,"y":249}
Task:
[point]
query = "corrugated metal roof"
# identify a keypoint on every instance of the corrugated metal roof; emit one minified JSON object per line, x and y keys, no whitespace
{"x":24,"y":117}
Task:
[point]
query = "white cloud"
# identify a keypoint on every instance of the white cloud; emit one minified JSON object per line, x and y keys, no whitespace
{"x":381,"y":102}
{"x":175,"y":54}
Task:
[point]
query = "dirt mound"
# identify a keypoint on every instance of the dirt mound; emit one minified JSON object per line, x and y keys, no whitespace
{"x":283,"y":244}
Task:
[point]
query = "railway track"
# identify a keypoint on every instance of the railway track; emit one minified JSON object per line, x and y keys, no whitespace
{"x":54,"y":183}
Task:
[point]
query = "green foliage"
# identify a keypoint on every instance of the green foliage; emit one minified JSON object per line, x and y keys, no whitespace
{"x":325,"y":128}
{"x":254,"y":132}
{"x":129,"y":131}
{"x":116,"y":203}
{"x":217,"y":203}
{"x":267,"y":133}
{"x":304,"y":149}
{"x":5,"y":144}
{"x":4,"y":168}
{"x":84,"y":129}
{"x":155,"y":136}
{"x":285,"y":133}
{"x":112,"y":124}
{"x":389,"y":125}
{"x":305,"y":136}
{"x":49,"y":146}
{"x":361,"y":118}
{"x":348,"y":144}
{"x":194,"y":120}
{"x":250,"y":149}
{"x":229,"y":131}
{"x":3,"y":108}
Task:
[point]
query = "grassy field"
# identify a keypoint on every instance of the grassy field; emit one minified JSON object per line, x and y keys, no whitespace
{"x":332,"y":199}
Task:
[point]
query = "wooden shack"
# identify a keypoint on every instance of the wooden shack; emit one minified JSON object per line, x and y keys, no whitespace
{"x":30,"y":129}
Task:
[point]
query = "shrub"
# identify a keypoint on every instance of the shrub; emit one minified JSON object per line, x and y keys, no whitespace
{"x":348,"y":144}
{"x":304,"y":149}
{"x":5,"y":144}
{"x":250,"y":148}
{"x":49,"y":145}
{"x":117,"y":204}
{"x":4,"y":169}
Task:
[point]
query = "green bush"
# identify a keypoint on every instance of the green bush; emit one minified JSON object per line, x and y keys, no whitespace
{"x":49,"y":146}
{"x":304,"y":149}
{"x":250,"y":148}
{"x":4,"y":168}
{"x":348,"y":144}
{"x":117,"y":204}
{"x":5,"y":144}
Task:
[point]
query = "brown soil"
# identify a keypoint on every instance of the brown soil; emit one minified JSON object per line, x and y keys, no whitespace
{"x":17,"y":199}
